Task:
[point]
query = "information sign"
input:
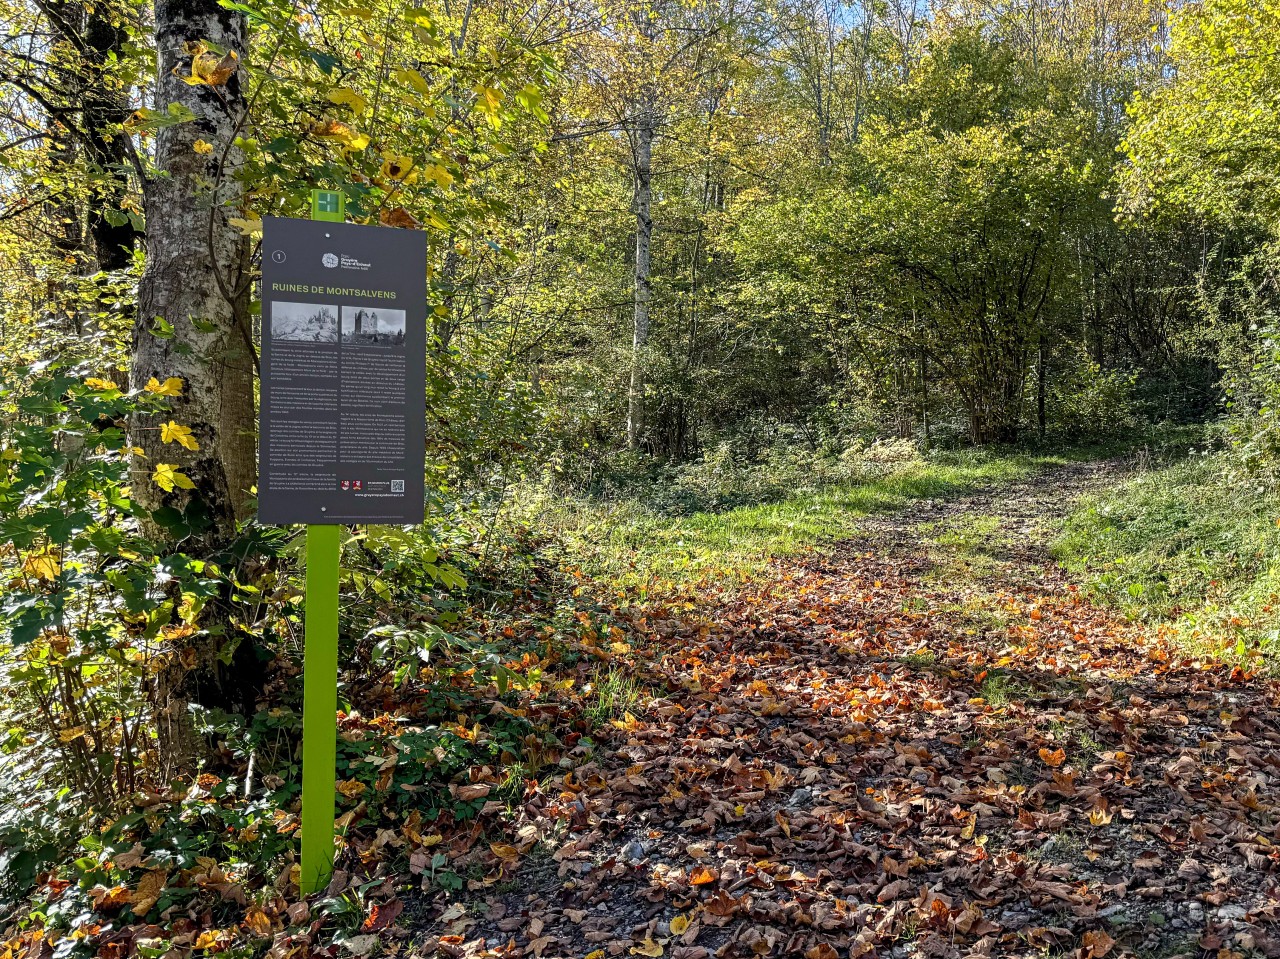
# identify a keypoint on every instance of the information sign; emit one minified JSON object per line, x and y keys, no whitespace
{"x":343,"y":401}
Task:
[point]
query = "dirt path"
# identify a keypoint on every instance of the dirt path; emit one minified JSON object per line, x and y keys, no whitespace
{"x":922,"y":743}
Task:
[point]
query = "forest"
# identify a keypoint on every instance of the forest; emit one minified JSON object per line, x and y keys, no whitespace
{"x":852,"y":486}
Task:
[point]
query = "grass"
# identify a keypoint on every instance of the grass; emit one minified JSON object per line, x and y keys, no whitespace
{"x":1000,"y":690}
{"x":966,"y":546}
{"x":926,"y":659}
{"x":612,"y":694}
{"x":1189,"y":543}
{"x":631,"y":545}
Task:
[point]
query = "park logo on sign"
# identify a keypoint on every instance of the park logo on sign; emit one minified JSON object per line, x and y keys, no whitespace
{"x":330,"y":260}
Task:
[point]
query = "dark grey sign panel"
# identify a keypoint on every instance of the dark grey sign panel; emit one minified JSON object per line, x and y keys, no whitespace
{"x":343,"y":401}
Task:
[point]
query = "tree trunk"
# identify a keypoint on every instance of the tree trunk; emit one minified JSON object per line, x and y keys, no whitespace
{"x":193,"y":284}
{"x":643,"y":149}
{"x":924,"y":397}
{"x":105,"y":108}
{"x":1041,"y":388}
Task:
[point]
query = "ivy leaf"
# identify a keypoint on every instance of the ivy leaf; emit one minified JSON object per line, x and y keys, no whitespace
{"x":166,"y":476}
{"x":172,"y":432}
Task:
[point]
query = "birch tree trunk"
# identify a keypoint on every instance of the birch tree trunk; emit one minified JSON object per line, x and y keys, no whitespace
{"x":193,"y":280}
{"x":193,"y":288}
{"x":643,"y":148}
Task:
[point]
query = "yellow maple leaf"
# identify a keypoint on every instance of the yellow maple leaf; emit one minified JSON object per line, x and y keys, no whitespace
{"x":94,"y":383}
{"x":213,"y":939}
{"x":647,"y":948}
{"x":488,"y":99}
{"x":166,"y":476}
{"x":345,"y":96}
{"x":628,"y":722}
{"x":679,"y":925}
{"x":170,"y":387}
{"x":489,"y":102}
{"x":172,"y":432}
{"x":208,"y":69}
{"x":503,"y":851}
{"x":42,"y":566}
{"x":202,"y":147}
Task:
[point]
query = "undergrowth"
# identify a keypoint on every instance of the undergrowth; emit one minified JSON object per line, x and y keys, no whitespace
{"x":1192,"y":543}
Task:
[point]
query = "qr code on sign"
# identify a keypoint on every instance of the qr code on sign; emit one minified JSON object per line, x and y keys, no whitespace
{"x":397,"y":486}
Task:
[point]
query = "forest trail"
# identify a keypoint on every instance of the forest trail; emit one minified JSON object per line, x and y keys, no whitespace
{"x":926,"y":742}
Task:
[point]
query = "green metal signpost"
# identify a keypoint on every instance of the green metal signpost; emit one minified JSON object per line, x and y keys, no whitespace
{"x":320,"y":666}
{"x":342,"y":415}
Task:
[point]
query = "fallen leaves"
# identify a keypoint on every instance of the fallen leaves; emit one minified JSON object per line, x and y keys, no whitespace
{"x":148,"y":892}
{"x":1054,"y":758}
{"x":853,"y":756}
{"x":702,"y":876}
{"x":1096,"y":944}
{"x":382,"y":915}
{"x":258,"y":922}
{"x":852,"y":752}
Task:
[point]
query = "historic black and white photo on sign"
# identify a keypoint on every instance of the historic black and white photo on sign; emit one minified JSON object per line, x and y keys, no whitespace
{"x":306,"y":322}
{"x":372,"y":326}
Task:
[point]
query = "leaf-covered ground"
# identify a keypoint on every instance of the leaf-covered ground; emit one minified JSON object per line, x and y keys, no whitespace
{"x":923,"y":742}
